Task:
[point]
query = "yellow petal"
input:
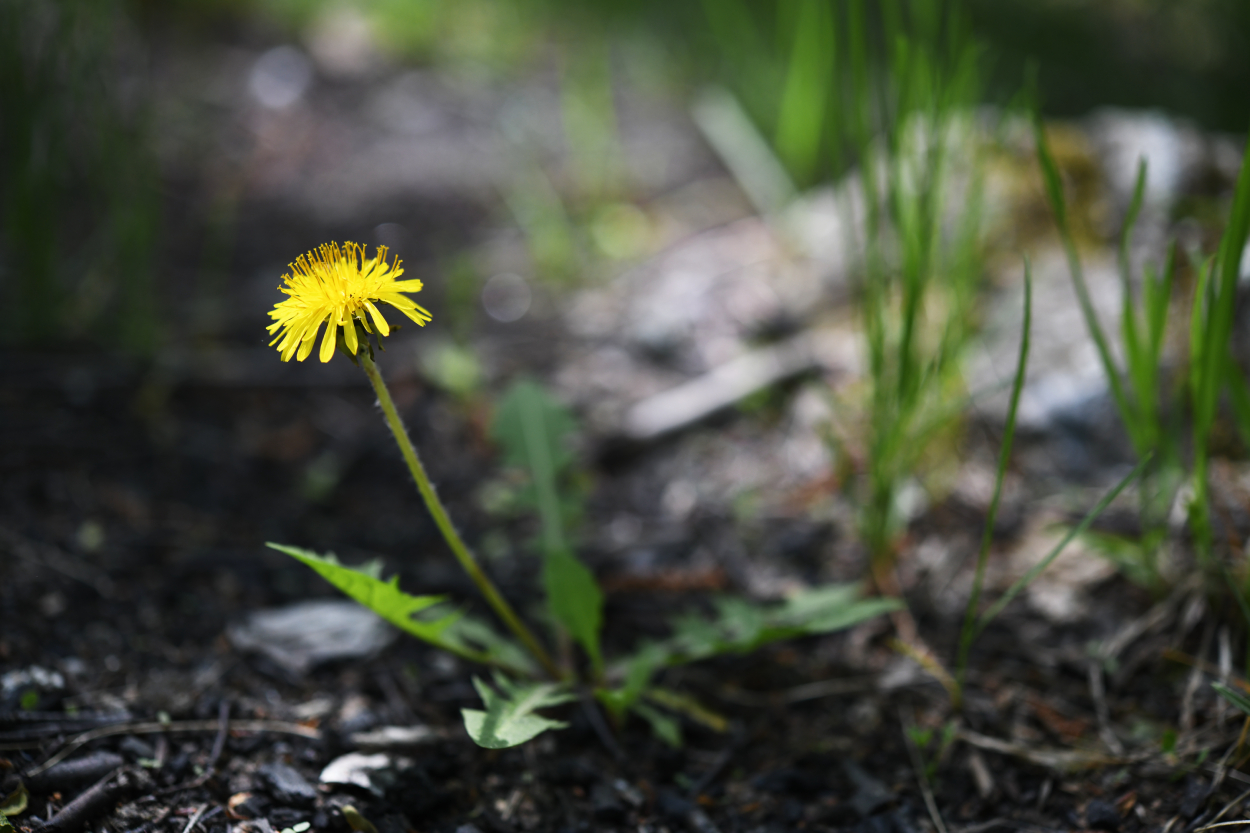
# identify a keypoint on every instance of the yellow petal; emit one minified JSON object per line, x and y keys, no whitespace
{"x":408,"y":308}
{"x":383,"y":327}
{"x":305,"y":347}
{"x":349,"y":335}
{"x":327,"y":342}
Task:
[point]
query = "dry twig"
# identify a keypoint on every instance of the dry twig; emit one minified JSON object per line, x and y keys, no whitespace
{"x":1098,"y":694}
{"x":279,"y":726}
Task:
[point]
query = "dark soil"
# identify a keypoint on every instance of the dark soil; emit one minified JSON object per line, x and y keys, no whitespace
{"x":133,"y":516}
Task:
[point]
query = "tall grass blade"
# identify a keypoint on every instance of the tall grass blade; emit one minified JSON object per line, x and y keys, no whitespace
{"x":1054,"y":192}
{"x":1134,"y":349}
{"x":734,"y":137}
{"x":969,"y":631}
{"x":1209,"y":345}
{"x":805,"y":96}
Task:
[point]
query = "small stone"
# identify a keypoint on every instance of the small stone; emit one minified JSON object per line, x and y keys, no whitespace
{"x":301,"y":636}
{"x":1196,"y":793}
{"x":284,"y":817}
{"x":287,"y":785}
{"x":607,"y":808}
{"x":672,"y":805}
{"x":789,"y":781}
{"x":136,"y":748}
{"x":880,"y":823}
{"x":1102,"y":815}
{"x":572,"y":772}
{"x":244,"y":806}
{"x":870,"y":793}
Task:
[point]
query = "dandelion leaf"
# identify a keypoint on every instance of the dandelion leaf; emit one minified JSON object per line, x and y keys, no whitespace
{"x":741,"y":626}
{"x":14,"y":804}
{"x":531,"y":425}
{"x":428,"y":618}
{"x":575,"y":599}
{"x":509,"y":718}
{"x":533,"y":429}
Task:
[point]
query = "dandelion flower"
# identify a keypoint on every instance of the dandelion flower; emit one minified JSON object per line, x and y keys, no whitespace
{"x":337,"y":285}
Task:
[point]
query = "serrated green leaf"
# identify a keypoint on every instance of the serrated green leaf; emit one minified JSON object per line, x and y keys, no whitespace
{"x":509,"y":718}
{"x":382,"y":597}
{"x":1237,"y":698}
{"x":14,"y":803}
{"x":5,"y":826}
{"x":421,"y":616}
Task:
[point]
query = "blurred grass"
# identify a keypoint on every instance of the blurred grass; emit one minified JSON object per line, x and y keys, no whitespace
{"x":78,"y":186}
{"x":1188,"y":58}
{"x":78,"y":199}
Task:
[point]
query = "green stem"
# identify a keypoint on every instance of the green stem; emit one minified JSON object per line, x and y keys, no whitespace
{"x":445,"y":526}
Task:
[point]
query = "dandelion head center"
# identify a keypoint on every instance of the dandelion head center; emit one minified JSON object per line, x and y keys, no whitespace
{"x":337,"y":286}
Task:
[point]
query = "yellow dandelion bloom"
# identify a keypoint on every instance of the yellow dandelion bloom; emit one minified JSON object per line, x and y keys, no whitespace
{"x":338,"y":284}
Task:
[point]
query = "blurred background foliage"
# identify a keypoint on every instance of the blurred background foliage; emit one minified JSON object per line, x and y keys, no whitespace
{"x":79,"y":201}
{"x":81,"y":196}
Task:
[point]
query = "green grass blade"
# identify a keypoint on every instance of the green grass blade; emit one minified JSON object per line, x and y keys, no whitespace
{"x":1199,"y":519}
{"x":1210,"y":334}
{"x":1130,"y":220}
{"x":1237,"y":698}
{"x":1037,"y":569}
{"x":1232,"y":247}
{"x":1054,"y":192}
{"x":969,"y":631}
{"x":1157,"y":307}
{"x":1197,"y":318}
{"x":1136,"y":353}
{"x":805,"y":95}
{"x":1218,"y":322}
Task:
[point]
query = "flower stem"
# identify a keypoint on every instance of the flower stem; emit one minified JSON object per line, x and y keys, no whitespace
{"x":445,"y":526}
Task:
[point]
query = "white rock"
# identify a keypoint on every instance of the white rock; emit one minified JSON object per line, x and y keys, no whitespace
{"x":300,"y":636}
{"x":357,"y":769}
